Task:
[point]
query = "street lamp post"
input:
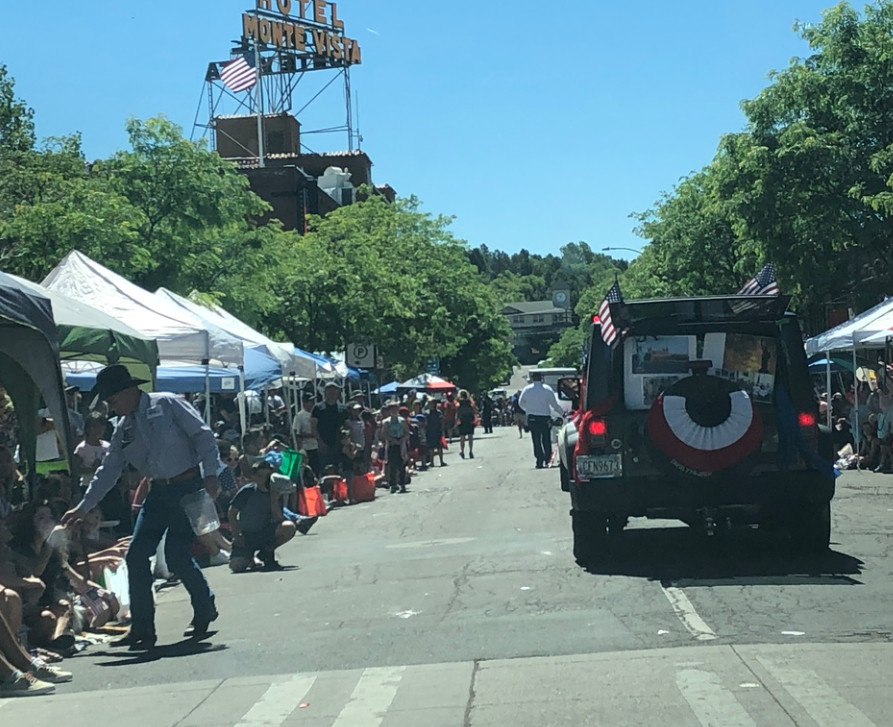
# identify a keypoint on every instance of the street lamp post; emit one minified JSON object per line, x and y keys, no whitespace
{"x":627,"y":249}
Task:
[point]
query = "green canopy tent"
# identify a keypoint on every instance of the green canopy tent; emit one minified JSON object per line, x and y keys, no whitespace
{"x":89,"y":334}
{"x":29,"y":361}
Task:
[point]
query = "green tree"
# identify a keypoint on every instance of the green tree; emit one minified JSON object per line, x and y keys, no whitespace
{"x":16,"y":118}
{"x":193,"y":208}
{"x":693,"y":247}
{"x":811,"y":177}
{"x":568,"y":350}
{"x":167,"y":212}
{"x":394,"y":276}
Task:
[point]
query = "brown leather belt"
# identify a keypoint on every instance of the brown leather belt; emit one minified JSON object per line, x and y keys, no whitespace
{"x":190,"y":474}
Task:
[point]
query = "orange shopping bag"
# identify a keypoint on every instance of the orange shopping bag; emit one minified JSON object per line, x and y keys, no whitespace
{"x":310,"y":502}
{"x":339,"y":492}
{"x":362,"y":488}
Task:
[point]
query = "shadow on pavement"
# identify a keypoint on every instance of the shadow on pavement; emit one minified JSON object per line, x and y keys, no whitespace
{"x":262,"y":572}
{"x":680,"y":557}
{"x":187,"y":647}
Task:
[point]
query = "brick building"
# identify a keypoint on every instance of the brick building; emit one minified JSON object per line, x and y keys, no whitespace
{"x":294,"y":184}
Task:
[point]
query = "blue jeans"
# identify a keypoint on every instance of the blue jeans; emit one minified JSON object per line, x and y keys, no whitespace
{"x":162,"y":512}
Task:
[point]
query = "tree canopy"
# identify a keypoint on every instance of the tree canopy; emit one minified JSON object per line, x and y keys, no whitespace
{"x":807,"y":184}
{"x":169,"y":212}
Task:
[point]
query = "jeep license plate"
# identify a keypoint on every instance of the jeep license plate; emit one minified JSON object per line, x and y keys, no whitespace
{"x":600,"y":467}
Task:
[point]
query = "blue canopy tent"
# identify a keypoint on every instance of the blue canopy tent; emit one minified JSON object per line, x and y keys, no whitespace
{"x":388,"y":388}
{"x":324,"y":367}
{"x":820,"y":366}
{"x":261,"y":370}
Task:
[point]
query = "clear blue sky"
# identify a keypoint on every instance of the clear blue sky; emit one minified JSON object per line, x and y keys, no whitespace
{"x":534,"y":123}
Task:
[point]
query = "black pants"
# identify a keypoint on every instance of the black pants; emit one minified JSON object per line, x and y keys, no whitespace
{"x":488,"y":422}
{"x":541,"y":433}
{"x":313,"y":461}
{"x":396,"y":468}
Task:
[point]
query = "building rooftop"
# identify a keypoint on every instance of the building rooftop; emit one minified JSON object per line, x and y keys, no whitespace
{"x":536,"y":307}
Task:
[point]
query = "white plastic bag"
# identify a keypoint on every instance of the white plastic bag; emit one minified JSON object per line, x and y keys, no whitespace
{"x":201,"y":512}
{"x":118,"y":583}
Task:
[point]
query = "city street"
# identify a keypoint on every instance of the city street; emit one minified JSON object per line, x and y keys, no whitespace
{"x":460,"y":604}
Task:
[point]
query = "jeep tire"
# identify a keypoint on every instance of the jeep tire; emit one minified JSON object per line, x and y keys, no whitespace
{"x":565,"y":479}
{"x":590,"y":536}
{"x":810,"y":527}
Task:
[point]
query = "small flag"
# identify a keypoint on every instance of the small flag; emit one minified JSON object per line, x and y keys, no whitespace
{"x":240,"y":74}
{"x":609,"y":333}
{"x":763,"y":283}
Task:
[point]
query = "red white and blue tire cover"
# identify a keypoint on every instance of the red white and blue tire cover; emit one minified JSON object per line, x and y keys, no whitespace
{"x":705,"y":425}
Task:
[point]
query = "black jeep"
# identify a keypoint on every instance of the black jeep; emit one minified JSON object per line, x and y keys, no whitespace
{"x":704,"y":412}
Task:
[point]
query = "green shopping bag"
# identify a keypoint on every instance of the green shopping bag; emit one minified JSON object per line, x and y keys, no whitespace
{"x":292,"y":462}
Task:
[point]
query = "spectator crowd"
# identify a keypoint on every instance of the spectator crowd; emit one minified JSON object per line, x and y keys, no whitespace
{"x":65,"y":589}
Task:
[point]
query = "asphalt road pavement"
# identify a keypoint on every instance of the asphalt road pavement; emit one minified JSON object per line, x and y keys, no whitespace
{"x":459,"y":604}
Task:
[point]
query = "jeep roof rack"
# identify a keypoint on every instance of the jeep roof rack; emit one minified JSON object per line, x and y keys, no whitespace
{"x":703,"y":310}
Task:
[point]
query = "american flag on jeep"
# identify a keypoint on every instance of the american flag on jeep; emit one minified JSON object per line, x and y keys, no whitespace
{"x":763,"y":283}
{"x":610,"y":334}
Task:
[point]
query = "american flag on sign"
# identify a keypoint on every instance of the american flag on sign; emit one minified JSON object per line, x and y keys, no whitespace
{"x":610,"y":334}
{"x":240,"y":74}
{"x":763,"y":283}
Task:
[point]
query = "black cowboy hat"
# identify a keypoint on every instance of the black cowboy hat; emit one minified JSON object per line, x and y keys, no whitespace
{"x":112,"y":380}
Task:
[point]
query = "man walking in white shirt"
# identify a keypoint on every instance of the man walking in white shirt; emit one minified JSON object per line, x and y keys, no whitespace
{"x":539,"y":401}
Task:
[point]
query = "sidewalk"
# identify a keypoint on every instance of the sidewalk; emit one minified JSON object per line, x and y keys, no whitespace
{"x":719,"y":686}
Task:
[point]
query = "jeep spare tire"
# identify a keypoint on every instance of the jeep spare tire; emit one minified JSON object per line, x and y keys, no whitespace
{"x":702,"y":426}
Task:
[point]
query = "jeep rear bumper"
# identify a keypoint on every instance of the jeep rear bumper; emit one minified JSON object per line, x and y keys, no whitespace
{"x":635,"y":497}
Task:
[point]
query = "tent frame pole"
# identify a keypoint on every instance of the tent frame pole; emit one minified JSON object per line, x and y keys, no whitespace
{"x":207,"y":364}
{"x":828,"y":387}
{"x":243,"y":408}
{"x":294,"y":400}
{"x":858,"y":437}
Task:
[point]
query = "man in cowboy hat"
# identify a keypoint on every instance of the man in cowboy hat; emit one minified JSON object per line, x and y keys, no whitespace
{"x":163,"y":438}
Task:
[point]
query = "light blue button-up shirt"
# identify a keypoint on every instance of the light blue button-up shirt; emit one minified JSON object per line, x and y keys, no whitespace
{"x":163,"y":438}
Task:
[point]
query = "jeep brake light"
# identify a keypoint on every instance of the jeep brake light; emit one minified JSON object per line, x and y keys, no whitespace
{"x":806,"y":420}
{"x":598,"y":428}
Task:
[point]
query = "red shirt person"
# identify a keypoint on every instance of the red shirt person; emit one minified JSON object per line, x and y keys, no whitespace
{"x":449,"y":415}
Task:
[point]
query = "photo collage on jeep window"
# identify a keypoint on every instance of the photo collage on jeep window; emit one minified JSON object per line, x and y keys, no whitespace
{"x":653,"y":364}
{"x":747,"y":361}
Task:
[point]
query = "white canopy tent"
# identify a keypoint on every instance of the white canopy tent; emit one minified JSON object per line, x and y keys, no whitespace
{"x":879,"y":339}
{"x":282,"y":352}
{"x":855,"y":332}
{"x":292,"y":367}
{"x":180,"y":336}
{"x":179,"y":339}
{"x":867,"y":330}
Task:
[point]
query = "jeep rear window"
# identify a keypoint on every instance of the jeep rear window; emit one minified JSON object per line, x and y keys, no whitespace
{"x":652,"y":364}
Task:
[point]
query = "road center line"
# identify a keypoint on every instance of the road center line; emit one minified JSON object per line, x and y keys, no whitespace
{"x":278,"y":702}
{"x":824,"y":704}
{"x":687,"y":614}
{"x":371,"y":698}
{"x":712,"y":703}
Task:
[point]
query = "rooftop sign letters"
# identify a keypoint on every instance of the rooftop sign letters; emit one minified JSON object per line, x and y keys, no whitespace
{"x":302,"y":26}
